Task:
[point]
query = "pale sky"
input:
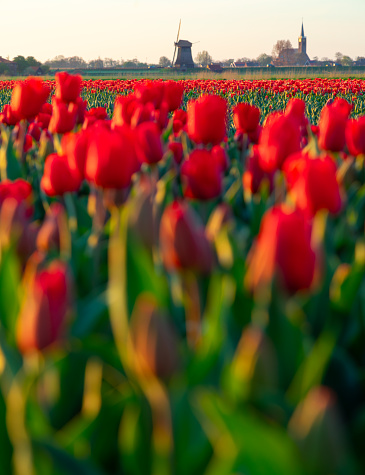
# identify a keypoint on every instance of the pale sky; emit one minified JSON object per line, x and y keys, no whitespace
{"x":147,"y":29}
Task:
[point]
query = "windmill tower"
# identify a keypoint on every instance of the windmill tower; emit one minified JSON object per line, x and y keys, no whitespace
{"x":184,"y":57}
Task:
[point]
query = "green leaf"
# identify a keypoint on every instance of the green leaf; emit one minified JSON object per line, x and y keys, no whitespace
{"x":142,"y":276}
{"x":62,"y":462}
{"x":9,"y":165}
{"x":242,"y":441}
{"x":10,"y":277}
{"x":89,"y":313}
{"x":6,"y":450}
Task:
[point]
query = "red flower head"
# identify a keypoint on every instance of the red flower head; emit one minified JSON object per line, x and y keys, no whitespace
{"x":177,"y":150}
{"x":75,"y":146}
{"x":63,"y":117}
{"x":283,"y":246}
{"x":254,"y":175}
{"x":148,"y":141}
{"x":174,"y":91}
{"x":279,"y":138}
{"x":7,"y":116}
{"x":246,"y":117}
{"x":150,"y":92}
{"x":44,"y":308}
{"x":313,"y":183}
{"x":207,"y":119}
{"x":123,"y":110}
{"x":28,"y":97}
{"x":296,"y":109}
{"x":220,"y":156}
{"x":20,"y":190}
{"x":332,"y":125}
{"x":68,"y":87}
{"x":355,"y":136}
{"x":35,"y":131}
{"x":58,"y":176}
{"x":183,"y":243}
{"x":111,"y":157}
{"x":202,"y":175}
{"x":179,"y":120}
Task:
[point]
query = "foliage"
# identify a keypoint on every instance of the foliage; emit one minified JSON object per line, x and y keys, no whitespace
{"x":203,"y":58}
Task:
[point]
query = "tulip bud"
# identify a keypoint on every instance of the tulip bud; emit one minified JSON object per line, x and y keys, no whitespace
{"x":48,"y":237}
{"x":44,"y":308}
{"x":28,"y":97}
{"x":318,"y":431}
{"x":206,"y":120}
{"x":283,"y":246}
{"x":254,"y":366}
{"x":202,"y":175}
{"x":149,"y":144}
{"x":68,"y":87}
{"x":58,"y":176}
{"x":183,"y":243}
{"x":154,"y":340}
{"x":142,"y":216}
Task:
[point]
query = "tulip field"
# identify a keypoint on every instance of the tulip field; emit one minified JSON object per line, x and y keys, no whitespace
{"x":182,"y":277}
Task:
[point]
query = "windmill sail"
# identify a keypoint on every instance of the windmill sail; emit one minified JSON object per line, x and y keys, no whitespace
{"x":177,"y":40}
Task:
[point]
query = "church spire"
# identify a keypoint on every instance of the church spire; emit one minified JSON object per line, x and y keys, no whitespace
{"x":302,"y":32}
{"x":302,"y":42}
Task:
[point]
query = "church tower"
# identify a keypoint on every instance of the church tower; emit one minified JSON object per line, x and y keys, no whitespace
{"x":302,"y":42}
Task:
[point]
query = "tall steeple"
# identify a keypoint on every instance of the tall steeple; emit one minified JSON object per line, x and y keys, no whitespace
{"x":302,"y":42}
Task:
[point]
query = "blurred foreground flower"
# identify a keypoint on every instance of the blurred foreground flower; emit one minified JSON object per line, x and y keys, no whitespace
{"x":283,"y":247}
{"x":44,"y":307}
{"x":154,"y":340}
{"x":318,"y":431}
{"x":183,"y":243}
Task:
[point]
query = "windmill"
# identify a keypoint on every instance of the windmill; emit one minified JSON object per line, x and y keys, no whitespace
{"x":184,"y":57}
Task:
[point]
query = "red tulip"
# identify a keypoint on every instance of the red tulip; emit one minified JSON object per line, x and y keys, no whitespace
{"x":111,"y":158}
{"x":355,"y":136}
{"x":28,"y":97}
{"x":44,"y":308}
{"x":75,"y":146}
{"x":20,"y":190}
{"x":58,"y":176}
{"x":279,"y":138}
{"x":246,"y":117}
{"x":332,"y":126}
{"x":149,"y":144}
{"x":183,"y":243}
{"x":313,"y":183}
{"x":283,"y":247}
{"x":254,"y":175}
{"x":173,"y":93}
{"x":63,"y":117}
{"x":202,"y":175}
{"x":7,"y":116}
{"x":177,"y":150}
{"x":68,"y":86}
{"x":206,"y":122}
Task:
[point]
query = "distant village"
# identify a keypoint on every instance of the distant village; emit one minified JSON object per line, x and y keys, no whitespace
{"x":283,"y":55}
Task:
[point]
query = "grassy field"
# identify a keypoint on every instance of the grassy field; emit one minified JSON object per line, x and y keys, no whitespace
{"x":228,"y":73}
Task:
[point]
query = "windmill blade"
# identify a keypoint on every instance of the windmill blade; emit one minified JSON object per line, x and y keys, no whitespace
{"x":178,"y":32}
{"x":173,"y":59}
{"x":177,"y":40}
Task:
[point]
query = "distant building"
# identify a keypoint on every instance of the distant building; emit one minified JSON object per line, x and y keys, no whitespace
{"x":34,"y":71}
{"x":9,"y":66}
{"x":215,"y":67}
{"x":246,"y":64}
{"x":295,"y":56}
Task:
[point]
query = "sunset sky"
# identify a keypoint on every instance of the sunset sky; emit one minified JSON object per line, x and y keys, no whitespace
{"x":146,"y":29}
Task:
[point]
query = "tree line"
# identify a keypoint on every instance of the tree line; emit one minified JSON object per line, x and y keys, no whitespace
{"x":203,"y":58}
